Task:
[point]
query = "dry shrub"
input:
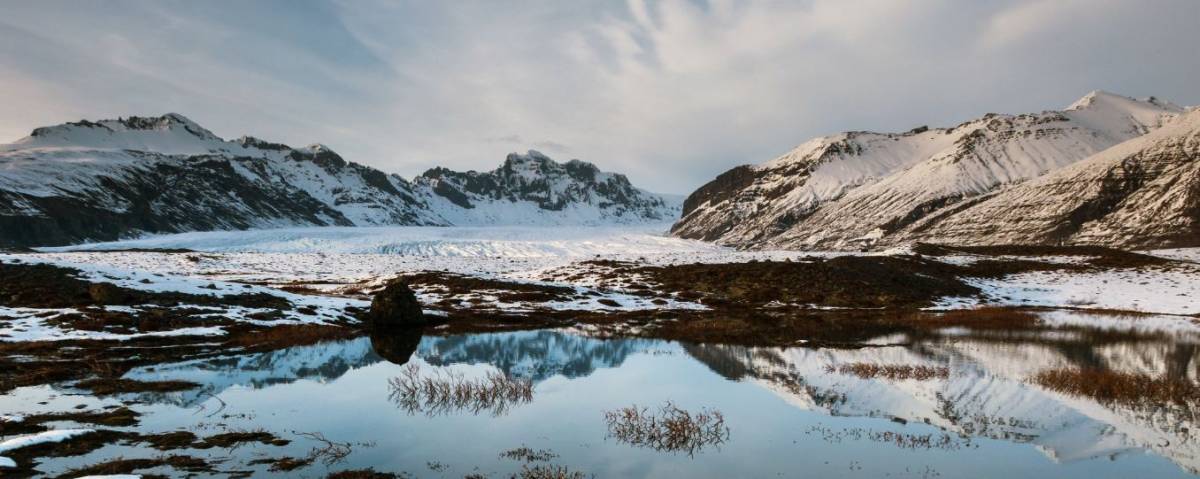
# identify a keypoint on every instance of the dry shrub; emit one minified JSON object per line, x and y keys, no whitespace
{"x":671,"y":429}
{"x":915,"y":441}
{"x":445,"y":392}
{"x":286,"y":335}
{"x":527,"y":454}
{"x":548,"y":472}
{"x":362,"y":474}
{"x":327,"y":451}
{"x":891,"y":371}
{"x":1120,"y":388}
{"x":984,"y":317}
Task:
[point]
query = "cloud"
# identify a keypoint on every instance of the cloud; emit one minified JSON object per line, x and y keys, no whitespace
{"x":670,"y":92}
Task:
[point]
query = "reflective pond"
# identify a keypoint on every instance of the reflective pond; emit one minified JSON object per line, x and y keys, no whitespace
{"x":954,"y":403}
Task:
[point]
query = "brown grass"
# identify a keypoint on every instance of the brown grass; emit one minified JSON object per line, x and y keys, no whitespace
{"x":170,"y":440}
{"x":446,"y":392}
{"x":361,"y":474}
{"x":891,"y":371}
{"x":284,"y":464}
{"x":128,"y":466}
{"x":670,"y":429}
{"x":983,"y":318}
{"x":233,"y":439}
{"x":1120,"y":388}
{"x":109,"y":386}
{"x":548,"y":472}
{"x":288,"y":335}
{"x":846,"y":281}
{"x":117,"y":417}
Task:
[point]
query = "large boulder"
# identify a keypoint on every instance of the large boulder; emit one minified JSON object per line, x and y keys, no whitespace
{"x":395,"y":306}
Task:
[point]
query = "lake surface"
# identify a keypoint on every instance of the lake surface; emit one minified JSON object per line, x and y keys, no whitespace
{"x":790,"y":412}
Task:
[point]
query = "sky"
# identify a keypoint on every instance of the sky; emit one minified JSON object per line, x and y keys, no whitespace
{"x":671,"y":92}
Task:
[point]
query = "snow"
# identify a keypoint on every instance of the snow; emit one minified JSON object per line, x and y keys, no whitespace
{"x":83,"y":161}
{"x":508,"y":242}
{"x":35,"y":439}
{"x":29,"y":324}
{"x":1164,"y":292}
{"x":340,"y":263}
{"x":833,"y":192}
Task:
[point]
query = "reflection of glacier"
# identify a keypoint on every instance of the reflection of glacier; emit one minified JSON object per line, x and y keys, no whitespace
{"x":319,"y":362}
{"x":531,"y":354}
{"x":987,"y":393}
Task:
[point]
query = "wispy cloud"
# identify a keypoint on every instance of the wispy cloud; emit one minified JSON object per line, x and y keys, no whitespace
{"x":670,"y":92}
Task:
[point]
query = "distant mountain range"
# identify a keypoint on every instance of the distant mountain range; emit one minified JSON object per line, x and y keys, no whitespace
{"x":1107,"y":170}
{"x":113,"y":179}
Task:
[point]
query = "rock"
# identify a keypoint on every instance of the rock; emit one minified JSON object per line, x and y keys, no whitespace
{"x":108,"y":293}
{"x":395,"y":306}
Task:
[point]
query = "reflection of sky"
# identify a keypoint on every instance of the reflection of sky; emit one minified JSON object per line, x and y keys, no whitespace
{"x":772,"y":432}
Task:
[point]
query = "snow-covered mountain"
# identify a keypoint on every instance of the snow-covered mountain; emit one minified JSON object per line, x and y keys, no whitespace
{"x":1140,"y":194}
{"x":860,"y":188}
{"x":91,"y":181}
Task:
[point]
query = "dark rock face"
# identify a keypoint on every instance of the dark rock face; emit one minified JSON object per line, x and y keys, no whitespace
{"x":553,"y":186}
{"x":117,"y":179}
{"x":165,"y":196}
{"x":395,"y":306}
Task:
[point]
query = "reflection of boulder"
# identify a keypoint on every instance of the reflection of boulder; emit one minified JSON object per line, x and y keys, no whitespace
{"x":396,"y":346}
{"x":395,"y":306}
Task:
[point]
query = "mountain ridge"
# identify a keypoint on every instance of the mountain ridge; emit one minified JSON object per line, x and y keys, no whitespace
{"x":115,"y":179}
{"x":862,"y":189}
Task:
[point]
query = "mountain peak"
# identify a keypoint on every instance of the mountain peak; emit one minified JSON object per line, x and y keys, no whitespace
{"x":1095,"y":97}
{"x":171,"y":133}
{"x":1100,"y":99}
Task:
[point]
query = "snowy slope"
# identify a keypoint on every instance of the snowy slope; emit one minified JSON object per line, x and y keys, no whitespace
{"x":844,"y":190}
{"x":91,"y":181}
{"x":1142,"y":193}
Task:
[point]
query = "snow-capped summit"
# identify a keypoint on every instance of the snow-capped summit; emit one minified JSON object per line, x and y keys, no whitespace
{"x":529,"y":187}
{"x":169,"y":134}
{"x":857,"y":189}
{"x":1118,"y":116}
{"x":115,"y":179}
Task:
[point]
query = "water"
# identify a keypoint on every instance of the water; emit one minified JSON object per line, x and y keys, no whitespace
{"x":787,"y":413}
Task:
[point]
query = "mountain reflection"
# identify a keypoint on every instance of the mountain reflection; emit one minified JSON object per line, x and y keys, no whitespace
{"x":536,"y":355}
{"x":989,"y":392}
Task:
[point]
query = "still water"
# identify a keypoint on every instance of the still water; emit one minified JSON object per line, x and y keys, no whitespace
{"x":790,"y":412}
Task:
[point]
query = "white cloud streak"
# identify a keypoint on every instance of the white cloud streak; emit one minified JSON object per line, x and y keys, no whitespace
{"x":670,"y":92}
